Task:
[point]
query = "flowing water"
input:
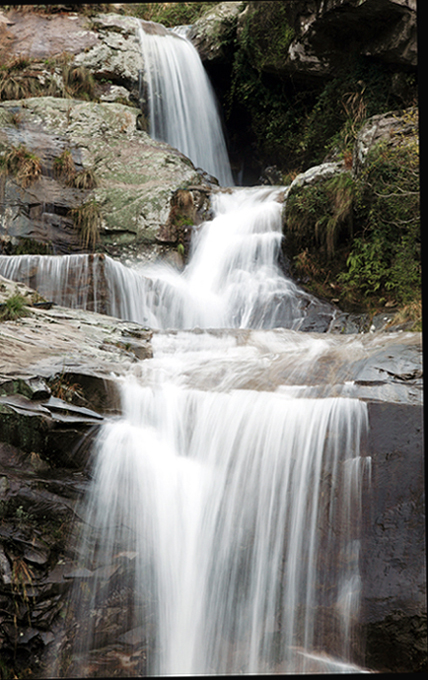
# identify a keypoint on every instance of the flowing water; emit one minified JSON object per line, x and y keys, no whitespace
{"x":232,"y":279}
{"x":221,"y":527}
{"x":182,"y":106}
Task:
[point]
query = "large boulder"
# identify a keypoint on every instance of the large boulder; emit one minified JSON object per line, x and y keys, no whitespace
{"x":211,"y":33}
{"x":134,"y":176}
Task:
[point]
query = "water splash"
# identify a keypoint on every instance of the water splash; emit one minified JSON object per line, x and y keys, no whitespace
{"x":182,"y":105}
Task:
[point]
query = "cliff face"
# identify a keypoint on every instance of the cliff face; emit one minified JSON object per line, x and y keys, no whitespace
{"x":286,"y":71}
{"x":70,"y":118}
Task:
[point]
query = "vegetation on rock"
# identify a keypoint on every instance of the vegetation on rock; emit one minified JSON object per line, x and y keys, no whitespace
{"x":357,"y":239}
{"x":169,"y":13}
{"x":13,"y":308}
{"x":88,"y":221}
{"x":22,"y":164}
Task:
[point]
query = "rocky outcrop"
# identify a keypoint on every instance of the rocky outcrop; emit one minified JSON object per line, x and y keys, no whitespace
{"x":107,"y":45}
{"x":211,"y":33}
{"x":392,"y":128}
{"x":133,"y":176}
{"x":384,"y":29}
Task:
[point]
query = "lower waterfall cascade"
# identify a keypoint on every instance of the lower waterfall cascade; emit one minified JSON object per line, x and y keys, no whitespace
{"x":221,"y":528}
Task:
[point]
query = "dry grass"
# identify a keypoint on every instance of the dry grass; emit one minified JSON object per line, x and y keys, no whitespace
{"x":64,"y":168}
{"x":85,"y":179}
{"x":23,"y":164}
{"x":78,"y":82}
{"x":411,"y":312}
{"x":87,"y":220}
{"x":17,"y":80}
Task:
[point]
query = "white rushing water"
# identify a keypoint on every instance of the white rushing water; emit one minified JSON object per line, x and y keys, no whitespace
{"x":232,"y":279}
{"x":182,"y":105}
{"x":232,"y":516}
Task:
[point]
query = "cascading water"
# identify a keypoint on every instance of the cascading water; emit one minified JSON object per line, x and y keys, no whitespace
{"x":221,"y":527}
{"x":232,"y":279}
{"x":222,"y":523}
{"x":182,"y":103}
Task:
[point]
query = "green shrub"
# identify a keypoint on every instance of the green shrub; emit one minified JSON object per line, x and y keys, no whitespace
{"x":385,"y":259}
{"x":318,"y":215}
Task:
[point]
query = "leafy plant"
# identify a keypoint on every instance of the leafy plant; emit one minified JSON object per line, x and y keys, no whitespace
{"x":22,"y":163}
{"x":385,"y":258}
{"x":87,"y":219}
{"x":316,"y":215}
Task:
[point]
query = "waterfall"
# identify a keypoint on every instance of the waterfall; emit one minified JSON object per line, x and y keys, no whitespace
{"x":221,"y":529}
{"x":182,"y":104}
{"x":222,"y":524}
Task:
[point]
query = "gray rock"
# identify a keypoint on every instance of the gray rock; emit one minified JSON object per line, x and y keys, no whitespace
{"x":208,"y":33}
{"x":392,"y":127}
{"x":316,"y":173}
{"x":136,"y":176}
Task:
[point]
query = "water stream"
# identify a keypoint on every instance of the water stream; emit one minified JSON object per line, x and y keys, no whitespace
{"x":221,"y":530}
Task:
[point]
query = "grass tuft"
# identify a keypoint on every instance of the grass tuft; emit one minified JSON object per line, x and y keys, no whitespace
{"x":21,"y":163}
{"x":13,"y":308}
{"x":64,"y":167}
{"x":87,"y":220}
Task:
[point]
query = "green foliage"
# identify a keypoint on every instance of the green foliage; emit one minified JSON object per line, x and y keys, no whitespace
{"x":385,"y":258}
{"x":87,"y":220}
{"x":169,"y":13}
{"x":22,"y":164}
{"x":266,"y":35}
{"x":13,"y":308}
{"x":317,"y":215}
{"x":296,"y":127}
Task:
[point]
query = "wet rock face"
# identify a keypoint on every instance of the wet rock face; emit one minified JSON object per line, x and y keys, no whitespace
{"x":393,"y":544}
{"x":55,"y":391}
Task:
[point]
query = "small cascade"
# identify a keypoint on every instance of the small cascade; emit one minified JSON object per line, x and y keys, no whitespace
{"x":182,"y":104}
{"x":232,"y":279}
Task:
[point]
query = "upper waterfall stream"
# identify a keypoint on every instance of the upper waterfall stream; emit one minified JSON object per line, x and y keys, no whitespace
{"x":221,"y":527}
